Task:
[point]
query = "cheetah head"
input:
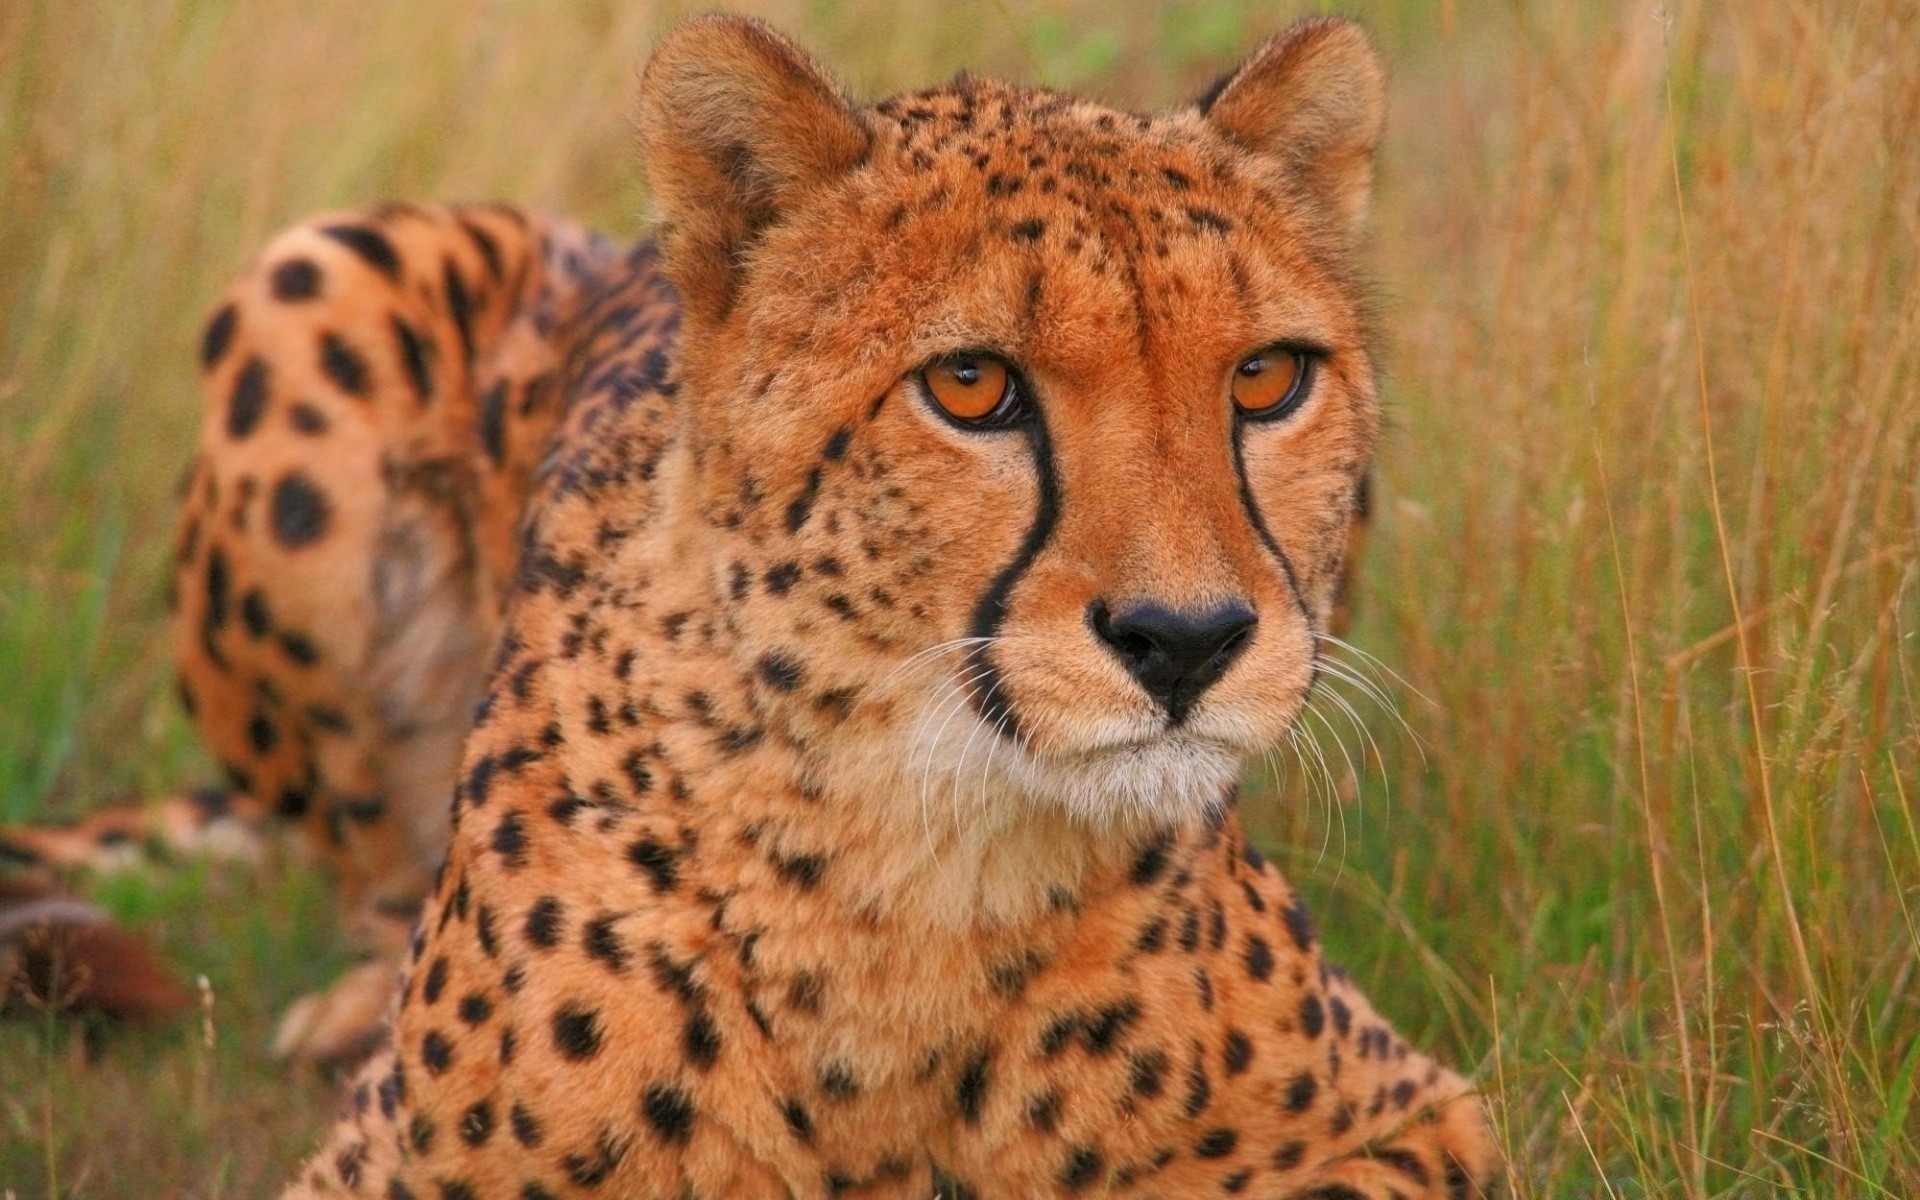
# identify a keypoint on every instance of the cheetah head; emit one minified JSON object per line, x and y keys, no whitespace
{"x":1024,"y":433}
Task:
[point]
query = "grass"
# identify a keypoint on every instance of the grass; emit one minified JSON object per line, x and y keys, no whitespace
{"x":1647,"y":550}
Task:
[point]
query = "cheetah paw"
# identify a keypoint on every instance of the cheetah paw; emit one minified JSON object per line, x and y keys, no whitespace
{"x":342,"y":1024}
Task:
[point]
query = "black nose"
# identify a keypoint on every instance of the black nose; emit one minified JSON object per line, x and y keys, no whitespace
{"x":1174,"y":655}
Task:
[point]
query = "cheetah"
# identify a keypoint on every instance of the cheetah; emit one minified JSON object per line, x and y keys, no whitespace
{"x":842,"y":619}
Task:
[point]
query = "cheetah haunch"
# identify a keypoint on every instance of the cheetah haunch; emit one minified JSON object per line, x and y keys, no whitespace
{"x":885,"y":574}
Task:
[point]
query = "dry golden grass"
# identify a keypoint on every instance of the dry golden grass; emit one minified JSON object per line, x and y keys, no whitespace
{"x":1648,"y":548}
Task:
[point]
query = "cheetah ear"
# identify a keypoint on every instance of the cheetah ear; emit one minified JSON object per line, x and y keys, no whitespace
{"x":1314,"y":97}
{"x":736,"y":124}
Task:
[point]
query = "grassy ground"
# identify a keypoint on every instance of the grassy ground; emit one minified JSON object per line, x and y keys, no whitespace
{"x":1648,"y":548}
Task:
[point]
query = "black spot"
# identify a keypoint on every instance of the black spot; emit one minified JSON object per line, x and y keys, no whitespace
{"x":799,"y":1121}
{"x":672,"y":976}
{"x":254,"y":613}
{"x":803,"y":870}
{"x":1146,"y":1072}
{"x":343,"y":365}
{"x":1058,"y":1033}
{"x":1404,"y":1161}
{"x":1313,"y":1016}
{"x":660,"y":863}
{"x":435,"y":982}
{"x":489,"y":249}
{"x":248,"y":401}
{"x":1028,"y":230}
{"x":971,"y":1092}
{"x":1216,"y":1144}
{"x":219,"y":589}
{"x":635,"y":768}
{"x":300,"y":511}
{"x":1331,"y":1191}
{"x":1288,"y":1156}
{"x":526,"y":1127}
{"x":1342,"y":1015}
{"x":576,"y":1032}
{"x":760,"y":1019}
{"x":700,"y":1038}
{"x":781,"y":578}
{"x":476,"y":1124}
{"x":781,"y":673}
{"x":475,"y":1008}
{"x":1199,"y":1089}
{"x":802,"y":506}
{"x":592,"y":1170}
{"x":298,"y":647}
{"x":1204,"y":218}
{"x":1152,"y":862}
{"x":1255,"y":900}
{"x":1010,"y":977}
{"x":1300,"y":1092}
{"x":436,"y":1053}
{"x":1081,"y":1168}
{"x":262,"y":734}
{"x":601,"y":942}
{"x":218,"y":336}
{"x":1043,"y":1112}
{"x":838,"y":1083}
{"x":460,"y":305}
{"x":413,"y":356}
{"x":348,"y":1162}
{"x":543,"y":922}
{"x":1238,"y":1052}
{"x":294,"y":280}
{"x":1259,"y":957}
{"x":946,"y":1187}
{"x":1109,"y":1023}
{"x":371,"y":245}
{"x":420,"y":1132}
{"x":484,"y":932}
{"x":1459,"y":1186}
{"x":836,"y":447}
{"x":510,"y":841}
{"x":669,"y":1111}
{"x":493,"y":422}
{"x":1299,"y":925}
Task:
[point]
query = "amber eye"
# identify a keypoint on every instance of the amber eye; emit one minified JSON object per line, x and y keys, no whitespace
{"x":1270,"y":382}
{"x":971,"y":387}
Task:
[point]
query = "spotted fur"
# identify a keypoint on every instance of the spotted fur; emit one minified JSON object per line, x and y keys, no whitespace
{"x":812,"y":835}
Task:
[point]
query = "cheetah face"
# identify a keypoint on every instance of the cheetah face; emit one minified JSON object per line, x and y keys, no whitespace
{"x":1027,"y":431}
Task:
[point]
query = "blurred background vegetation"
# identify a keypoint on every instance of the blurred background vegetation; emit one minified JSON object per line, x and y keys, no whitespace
{"x":1646,"y":562}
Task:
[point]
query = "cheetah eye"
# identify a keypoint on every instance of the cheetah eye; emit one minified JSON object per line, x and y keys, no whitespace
{"x":1272,"y":383}
{"x":975,"y":390}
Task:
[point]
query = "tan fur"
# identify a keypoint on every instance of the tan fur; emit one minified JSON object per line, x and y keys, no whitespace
{"x":811,"y":839}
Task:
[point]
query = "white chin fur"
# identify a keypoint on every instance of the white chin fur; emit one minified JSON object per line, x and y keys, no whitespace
{"x":959,"y":767}
{"x":1154,"y":783}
